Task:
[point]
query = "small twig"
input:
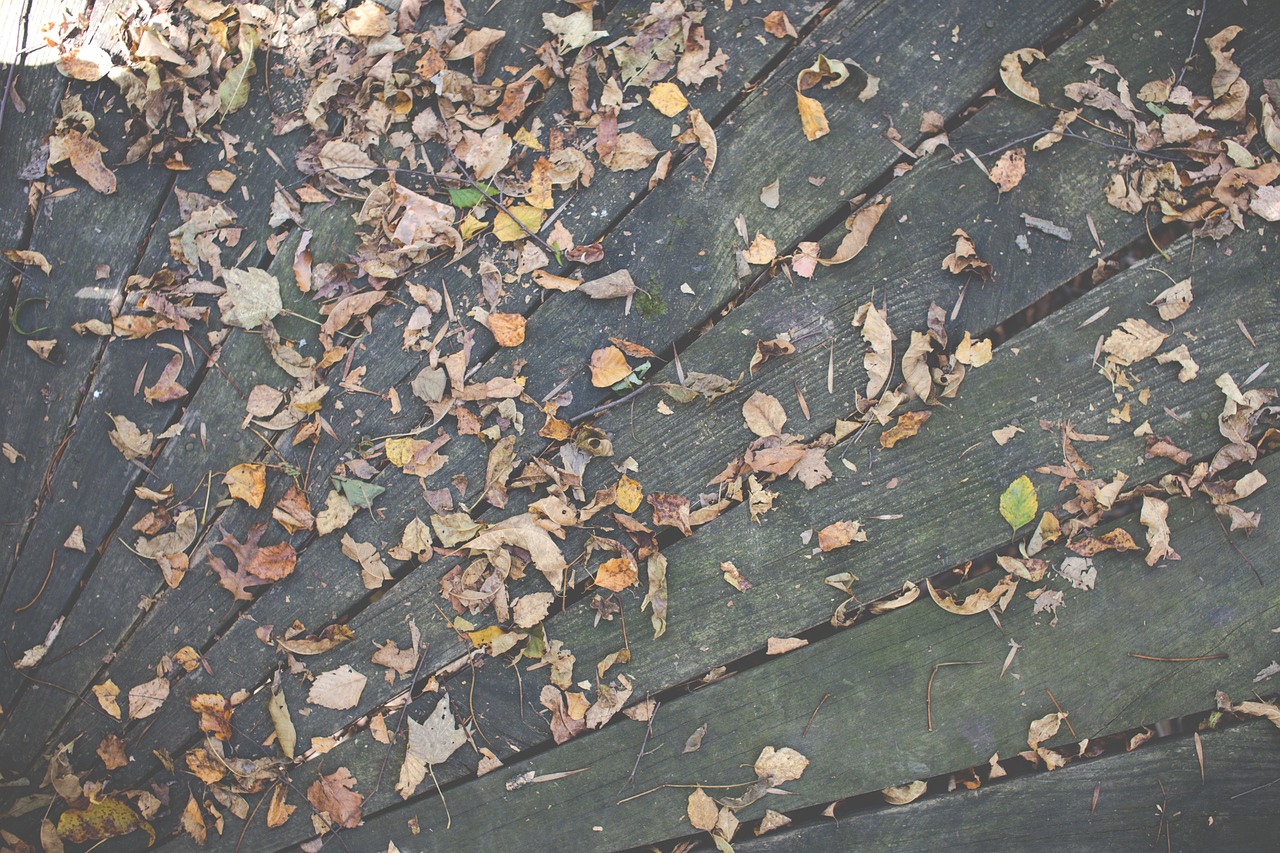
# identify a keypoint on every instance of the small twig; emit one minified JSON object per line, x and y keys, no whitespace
{"x":648,"y":730}
{"x":1227,"y":536}
{"x":249,"y":821}
{"x":1194,"y":40}
{"x":40,"y":592}
{"x":1218,"y":656}
{"x":604,"y":407}
{"x":672,"y":785}
{"x":928,"y":691}
{"x":1256,"y":788}
{"x":825,"y":697}
{"x":1065,"y":718}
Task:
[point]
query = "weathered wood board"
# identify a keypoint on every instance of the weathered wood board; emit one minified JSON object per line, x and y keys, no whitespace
{"x":1153,"y":797}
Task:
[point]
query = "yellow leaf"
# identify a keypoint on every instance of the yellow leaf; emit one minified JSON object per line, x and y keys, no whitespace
{"x":1018,"y":504}
{"x":248,"y":482}
{"x":617,"y":574}
{"x":668,"y":99}
{"x":813,"y":119}
{"x":107,"y":818}
{"x":628,"y":494}
{"x":507,"y":229}
{"x":608,"y":367}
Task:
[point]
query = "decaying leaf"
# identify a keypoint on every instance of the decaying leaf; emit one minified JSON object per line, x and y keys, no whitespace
{"x":431,"y":742}
{"x":109,"y":817}
{"x":840,"y":534}
{"x":978,"y":601}
{"x":335,"y":798}
{"x":1011,"y":69}
{"x":908,"y":424}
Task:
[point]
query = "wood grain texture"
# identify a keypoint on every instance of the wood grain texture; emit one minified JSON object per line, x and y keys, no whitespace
{"x":872,"y":731}
{"x":202,"y":608}
{"x":391,"y":608}
{"x":1052,"y":811}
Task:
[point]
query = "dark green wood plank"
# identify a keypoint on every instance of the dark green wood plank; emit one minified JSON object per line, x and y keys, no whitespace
{"x":872,"y":731}
{"x":1052,"y":811}
{"x":740,"y":538}
{"x":280,"y":606}
{"x":199,"y":612}
{"x":715,"y":625}
{"x":420,"y":588}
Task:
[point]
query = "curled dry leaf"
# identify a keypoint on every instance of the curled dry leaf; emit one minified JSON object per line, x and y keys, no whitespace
{"x":1011,"y":69}
{"x":247,"y":482}
{"x":859,"y":225}
{"x":900,"y":795}
{"x":978,"y":601}
{"x":1155,"y":517}
{"x":878,"y":360}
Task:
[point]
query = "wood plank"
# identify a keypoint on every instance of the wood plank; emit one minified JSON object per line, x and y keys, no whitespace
{"x":716,"y":626}
{"x":872,"y":732}
{"x":225,"y":661}
{"x":206,"y":606}
{"x":1052,"y":811}
{"x":384,"y":618}
{"x":888,"y":553}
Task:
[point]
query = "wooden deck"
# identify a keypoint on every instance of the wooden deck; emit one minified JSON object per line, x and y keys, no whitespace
{"x":1150,"y":661}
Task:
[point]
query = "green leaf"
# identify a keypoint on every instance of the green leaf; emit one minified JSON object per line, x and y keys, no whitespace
{"x":469,"y":196}
{"x":358,"y":494}
{"x":1018,"y":504}
{"x":234,"y":91}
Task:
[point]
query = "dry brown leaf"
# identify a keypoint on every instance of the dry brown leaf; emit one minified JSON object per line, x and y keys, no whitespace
{"x":900,"y":795}
{"x":978,"y":601}
{"x":507,"y":329}
{"x":782,"y":645}
{"x":813,"y":118}
{"x":146,"y":698}
{"x":338,"y":689}
{"x":702,"y":810}
{"x":764,"y":415}
{"x":840,"y":534}
{"x":617,"y":574}
{"x":860,"y":226}
{"x":908,"y":424}
{"x":335,"y":798}
{"x":608,"y":367}
{"x":1008,"y":171}
{"x":1011,"y":73}
{"x":1154,"y":517}
{"x":878,"y":360}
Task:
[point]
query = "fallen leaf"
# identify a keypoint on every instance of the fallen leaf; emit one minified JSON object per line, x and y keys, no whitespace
{"x":667,"y":99}
{"x":900,"y":795}
{"x":1018,"y":504}
{"x":431,"y":742}
{"x":978,"y":601}
{"x":1154,"y":517}
{"x":859,"y":225}
{"x":1009,"y":170}
{"x":109,"y":817}
{"x":764,"y":415}
{"x":335,"y":798}
{"x":146,"y":698}
{"x":702,"y":810}
{"x":878,"y":361}
{"x":840,"y":534}
{"x":1011,"y":69}
{"x":777,"y":766}
{"x":608,"y":367}
{"x":338,"y":689}
{"x":617,"y":574}
{"x":507,"y":329}
{"x":252,"y":297}
{"x":908,"y":424}
{"x":248,"y":482}
{"x":128,"y":439}
{"x":780,"y":646}
{"x":286,"y":734}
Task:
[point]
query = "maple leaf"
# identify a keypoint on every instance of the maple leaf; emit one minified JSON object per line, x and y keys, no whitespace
{"x":255,"y":565}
